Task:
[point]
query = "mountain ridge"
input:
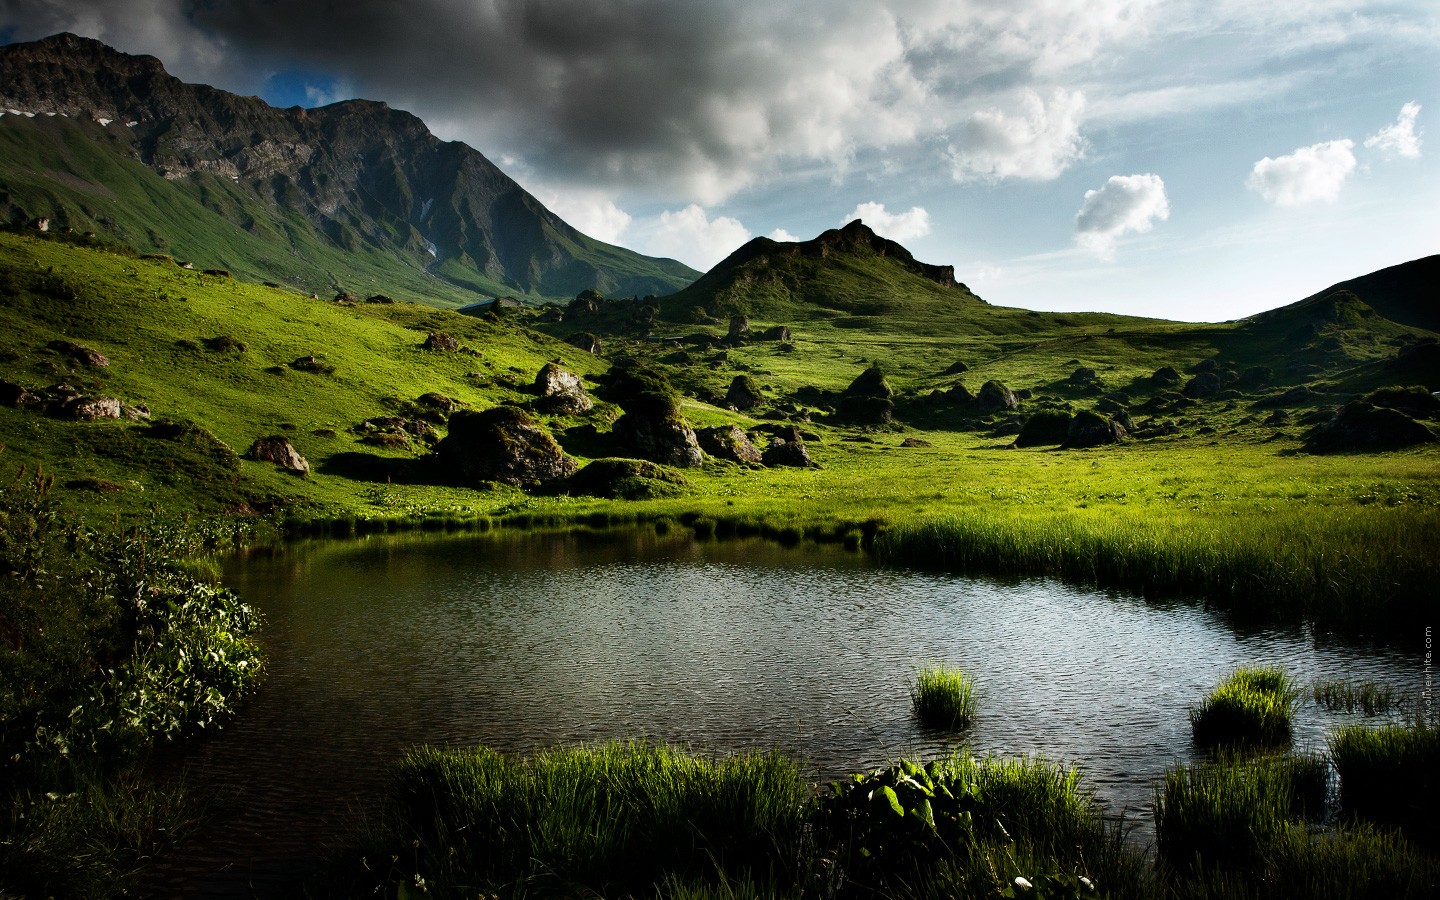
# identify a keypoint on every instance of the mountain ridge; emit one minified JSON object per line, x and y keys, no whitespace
{"x":361,"y":176}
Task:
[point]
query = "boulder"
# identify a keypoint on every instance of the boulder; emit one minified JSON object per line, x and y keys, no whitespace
{"x":867,"y":410}
{"x":779,"y":333}
{"x":1090,"y":429}
{"x":12,"y":394}
{"x":790,"y":454}
{"x":870,"y":383}
{"x":1048,"y":427}
{"x":956,"y":368}
{"x":585,"y":341}
{"x":1082,"y":375}
{"x":1414,"y":401}
{"x":440,"y":342}
{"x":625,"y":479}
{"x":996,"y":397}
{"x":744,"y":393}
{"x":728,"y":442}
{"x":80,"y":354}
{"x":662,"y":439}
{"x":312,"y":363}
{"x":739,"y":329}
{"x":562,"y":391}
{"x":1204,"y":385}
{"x":502,"y":444}
{"x":278,"y":450}
{"x":88,"y":409}
{"x":1165,"y":375}
{"x":1277,"y":419}
{"x":916,"y":442}
{"x":1363,"y":426}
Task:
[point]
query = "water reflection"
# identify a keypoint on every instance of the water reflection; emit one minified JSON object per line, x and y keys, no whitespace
{"x":521,"y":642}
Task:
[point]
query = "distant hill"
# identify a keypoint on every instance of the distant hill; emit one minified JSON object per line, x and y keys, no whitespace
{"x":1408,"y":293}
{"x":352,"y":196}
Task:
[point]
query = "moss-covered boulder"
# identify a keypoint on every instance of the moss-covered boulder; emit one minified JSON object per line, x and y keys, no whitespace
{"x":728,"y":442}
{"x":1090,"y":429}
{"x":277,"y":449}
{"x":744,"y":393}
{"x":561,"y":391}
{"x":1048,"y":427}
{"x":662,"y":439}
{"x":1363,"y":426}
{"x":1203,"y":386}
{"x":994,"y":396}
{"x":626,"y":479}
{"x":503,"y":444}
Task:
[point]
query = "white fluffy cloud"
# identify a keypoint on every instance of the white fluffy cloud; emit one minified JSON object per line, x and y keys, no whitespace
{"x":694,"y":238}
{"x":1036,"y":143}
{"x":1400,"y":138}
{"x":1125,"y":203}
{"x":591,"y":212}
{"x":783,"y":236}
{"x":1310,"y":174}
{"x":896,"y":226}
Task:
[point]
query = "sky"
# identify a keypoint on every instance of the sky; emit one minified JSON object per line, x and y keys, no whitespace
{"x":1199,"y":160}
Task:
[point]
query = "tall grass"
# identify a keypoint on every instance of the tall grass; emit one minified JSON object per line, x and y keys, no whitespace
{"x":613,"y":818}
{"x":1246,"y":828}
{"x":943,"y":697}
{"x":1391,"y":775}
{"x":1337,"y":694}
{"x":1360,"y":574}
{"x":1253,"y":705}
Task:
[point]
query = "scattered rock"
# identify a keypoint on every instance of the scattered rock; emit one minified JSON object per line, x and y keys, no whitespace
{"x":867,"y":400}
{"x":440,"y":342}
{"x":779,"y":333}
{"x":744,"y":393}
{"x":502,"y":444}
{"x":562,"y":391}
{"x":437,"y":402}
{"x":1204,"y":365}
{"x":996,"y":397}
{"x":1082,"y":375}
{"x":1206,"y":384}
{"x":1165,"y":375}
{"x":956,"y":368}
{"x":1363,"y":426}
{"x":916,"y":442}
{"x":312,"y":363}
{"x":80,"y":354}
{"x":585,"y":341}
{"x":278,"y":450}
{"x":728,"y":442}
{"x":1414,"y":401}
{"x":12,"y":394}
{"x":1277,"y":419}
{"x":791,"y":454}
{"x":1048,"y":427}
{"x":626,"y":479}
{"x":88,"y":409}
{"x":662,"y":439}
{"x":1090,"y":429}
{"x":739,"y":329}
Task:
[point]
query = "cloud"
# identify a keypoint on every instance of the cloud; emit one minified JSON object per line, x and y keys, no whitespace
{"x":590,"y":212}
{"x":1308,"y":175}
{"x":1126,"y":203}
{"x":693,"y":238}
{"x":1037,"y":144}
{"x":783,"y":236}
{"x":896,"y":226}
{"x":1401,"y":138}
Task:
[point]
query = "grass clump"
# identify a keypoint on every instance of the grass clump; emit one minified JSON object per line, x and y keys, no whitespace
{"x":1336,"y":694}
{"x":1391,"y":775}
{"x":1253,"y":705}
{"x":943,"y":697}
{"x":608,"y":819}
{"x":1247,"y":828}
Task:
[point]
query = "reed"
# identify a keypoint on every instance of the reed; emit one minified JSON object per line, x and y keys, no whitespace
{"x":1253,"y":705}
{"x":943,"y":697}
{"x":1391,"y":775}
{"x":612,"y":818}
{"x":1336,"y":694}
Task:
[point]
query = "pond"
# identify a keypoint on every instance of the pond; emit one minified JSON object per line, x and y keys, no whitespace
{"x":525,"y":641}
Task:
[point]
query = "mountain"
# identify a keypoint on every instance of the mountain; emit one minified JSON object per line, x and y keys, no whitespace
{"x":352,"y":196}
{"x":1408,"y":293}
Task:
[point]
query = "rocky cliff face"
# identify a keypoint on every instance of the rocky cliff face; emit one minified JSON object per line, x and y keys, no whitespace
{"x":360,"y":173}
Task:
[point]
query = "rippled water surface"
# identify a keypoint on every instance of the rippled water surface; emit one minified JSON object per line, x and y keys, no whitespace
{"x":520,"y":642}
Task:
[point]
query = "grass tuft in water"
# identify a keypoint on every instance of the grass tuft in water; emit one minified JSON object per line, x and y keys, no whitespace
{"x":943,"y":697}
{"x":1253,"y":705}
{"x":1391,"y":775}
{"x":1336,"y":694}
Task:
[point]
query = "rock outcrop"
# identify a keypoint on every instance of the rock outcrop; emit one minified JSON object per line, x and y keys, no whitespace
{"x":278,"y":450}
{"x":1363,"y":426}
{"x":994,"y":396}
{"x":744,"y":393}
{"x":662,"y":439}
{"x":728,"y":442}
{"x":562,"y":391}
{"x":501,"y":444}
{"x":1090,"y":429}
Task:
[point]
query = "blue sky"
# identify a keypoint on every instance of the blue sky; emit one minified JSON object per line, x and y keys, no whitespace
{"x":1190,"y":159}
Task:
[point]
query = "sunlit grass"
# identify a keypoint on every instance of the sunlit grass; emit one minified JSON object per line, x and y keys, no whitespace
{"x":942,"y":697}
{"x":1252,"y":705}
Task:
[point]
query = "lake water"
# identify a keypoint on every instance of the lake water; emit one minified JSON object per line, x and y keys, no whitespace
{"x":526,"y":641}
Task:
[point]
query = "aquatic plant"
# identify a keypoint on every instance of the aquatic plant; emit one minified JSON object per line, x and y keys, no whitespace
{"x":1390,"y":775}
{"x":1337,"y":694}
{"x":942,"y":697}
{"x":1253,"y":705}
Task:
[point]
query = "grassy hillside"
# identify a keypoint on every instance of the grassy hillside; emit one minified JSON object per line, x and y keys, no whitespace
{"x":1220,"y":505}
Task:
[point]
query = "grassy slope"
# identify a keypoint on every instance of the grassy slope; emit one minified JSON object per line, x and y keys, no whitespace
{"x":1196,"y":502}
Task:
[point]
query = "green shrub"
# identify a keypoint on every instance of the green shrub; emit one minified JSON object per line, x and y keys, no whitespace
{"x":943,"y":697}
